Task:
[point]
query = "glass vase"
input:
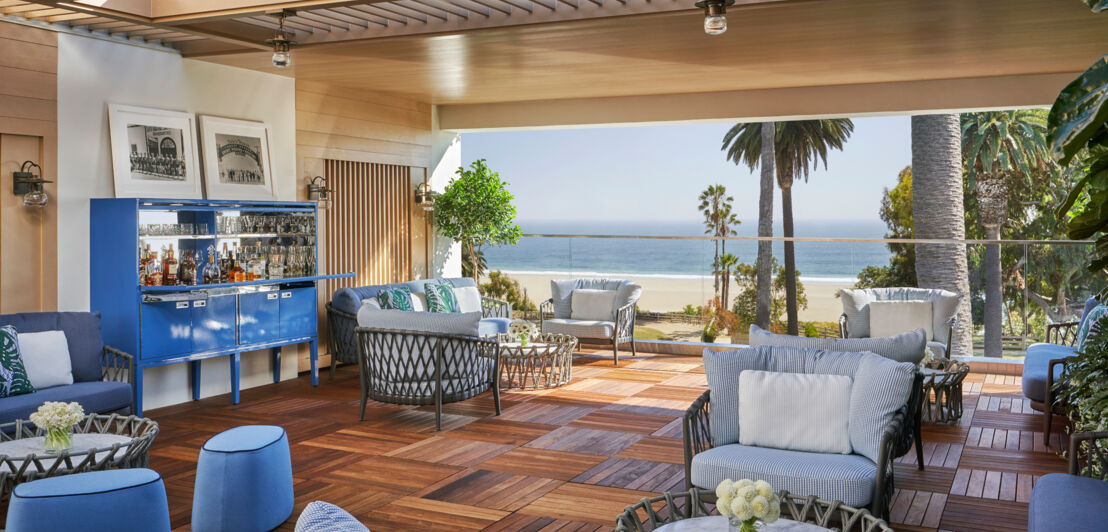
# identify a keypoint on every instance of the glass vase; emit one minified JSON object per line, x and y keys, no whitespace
{"x":524,"y":339}
{"x":750,"y":525}
{"x":58,"y":440}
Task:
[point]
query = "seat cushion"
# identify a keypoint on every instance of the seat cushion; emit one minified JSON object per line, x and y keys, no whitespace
{"x":46,"y":358}
{"x":94,"y":397}
{"x":463,"y":323}
{"x":319,"y":516}
{"x":1035,"y":365}
{"x":904,"y":347}
{"x":493,"y":326}
{"x":1067,"y":503}
{"x":593,"y":305}
{"x":244,"y":438}
{"x":97,"y":501}
{"x":835,"y":477}
{"x":580,"y":328}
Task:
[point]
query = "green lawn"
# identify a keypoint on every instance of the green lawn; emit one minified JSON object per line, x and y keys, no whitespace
{"x":647,"y":333}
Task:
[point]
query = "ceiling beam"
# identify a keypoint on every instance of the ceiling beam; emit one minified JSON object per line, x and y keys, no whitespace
{"x":170,"y":11}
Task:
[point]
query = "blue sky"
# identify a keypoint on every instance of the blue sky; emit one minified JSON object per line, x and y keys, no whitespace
{"x":654,"y":173}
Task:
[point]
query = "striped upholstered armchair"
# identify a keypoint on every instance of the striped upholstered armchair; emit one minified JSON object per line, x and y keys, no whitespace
{"x":791,"y":417}
{"x":598,"y":310}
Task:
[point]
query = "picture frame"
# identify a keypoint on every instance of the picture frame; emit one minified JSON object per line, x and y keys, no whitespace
{"x":236,"y":159}
{"x":154,"y":153}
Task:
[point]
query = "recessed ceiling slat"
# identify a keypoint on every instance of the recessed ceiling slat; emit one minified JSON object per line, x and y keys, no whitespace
{"x":400,"y":10}
{"x":290,"y":24}
{"x":549,"y":4}
{"x":70,"y":18}
{"x":474,"y":7}
{"x":495,"y":5}
{"x":373,"y":19}
{"x":42,"y":13}
{"x":445,"y":6}
{"x":374,"y":10}
{"x":598,"y":2}
{"x":331,"y":22}
{"x":336,"y":15}
{"x":570,"y":3}
{"x":429,"y":11}
{"x":299,"y":18}
{"x":525,"y":5}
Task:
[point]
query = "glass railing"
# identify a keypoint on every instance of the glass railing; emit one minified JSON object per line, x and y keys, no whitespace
{"x":1042,"y":282}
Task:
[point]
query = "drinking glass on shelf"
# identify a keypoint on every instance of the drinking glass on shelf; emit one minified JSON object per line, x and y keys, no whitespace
{"x":187,"y":229}
{"x":202,"y":229}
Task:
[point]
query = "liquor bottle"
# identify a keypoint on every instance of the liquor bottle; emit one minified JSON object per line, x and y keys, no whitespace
{"x":187,"y":274}
{"x":154,"y":270}
{"x":211,"y":272}
{"x":275,"y":264}
{"x":170,"y":266}
{"x":238,"y":274}
{"x":258,"y":262}
{"x":225,"y":265}
{"x":144,"y":260}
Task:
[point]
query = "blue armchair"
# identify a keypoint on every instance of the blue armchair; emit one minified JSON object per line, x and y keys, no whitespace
{"x":103,"y":376}
{"x":1064,"y":502}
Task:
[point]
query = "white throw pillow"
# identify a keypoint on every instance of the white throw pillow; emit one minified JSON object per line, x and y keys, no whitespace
{"x":371,"y":302}
{"x":419,"y":302}
{"x":890,"y":318}
{"x":795,"y":411}
{"x":46,"y":357}
{"x":595,"y":305}
{"x":469,"y":299}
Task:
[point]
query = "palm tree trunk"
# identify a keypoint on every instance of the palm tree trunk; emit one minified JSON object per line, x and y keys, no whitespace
{"x":939,"y":213}
{"x":715,"y":272}
{"x":790,"y":261}
{"x":994,"y":295}
{"x":763,"y":298}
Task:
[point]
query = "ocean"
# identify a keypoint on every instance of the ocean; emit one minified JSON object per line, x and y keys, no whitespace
{"x":818,"y":262}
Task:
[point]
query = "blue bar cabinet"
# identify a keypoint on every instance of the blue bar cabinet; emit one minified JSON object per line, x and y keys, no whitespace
{"x":165,"y":325}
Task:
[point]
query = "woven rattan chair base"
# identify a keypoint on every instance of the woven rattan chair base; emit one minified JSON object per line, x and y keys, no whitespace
{"x":942,"y":391}
{"x":650,"y":514}
{"x":546,"y":362}
{"x":17,"y":469}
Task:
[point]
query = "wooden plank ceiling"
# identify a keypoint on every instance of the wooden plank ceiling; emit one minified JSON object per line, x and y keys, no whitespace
{"x":484,"y":51}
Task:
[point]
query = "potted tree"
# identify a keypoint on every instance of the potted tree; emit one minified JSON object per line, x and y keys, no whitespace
{"x":476,"y":210}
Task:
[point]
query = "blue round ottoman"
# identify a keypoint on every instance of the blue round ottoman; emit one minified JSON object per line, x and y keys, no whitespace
{"x":243,"y":481}
{"x":108,"y":501}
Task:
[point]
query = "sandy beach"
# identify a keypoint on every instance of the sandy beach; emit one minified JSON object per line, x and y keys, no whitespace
{"x":669,"y":294}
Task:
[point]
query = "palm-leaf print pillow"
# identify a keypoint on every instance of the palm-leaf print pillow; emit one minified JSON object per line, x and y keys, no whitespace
{"x":13,"y":375}
{"x":441,"y":298}
{"x":399,"y":298}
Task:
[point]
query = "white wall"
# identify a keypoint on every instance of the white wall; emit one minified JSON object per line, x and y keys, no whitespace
{"x":446,"y":157}
{"x":93,"y":73}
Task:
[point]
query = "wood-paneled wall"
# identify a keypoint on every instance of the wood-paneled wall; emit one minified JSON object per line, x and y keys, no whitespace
{"x":374,"y":148}
{"x":28,"y":131}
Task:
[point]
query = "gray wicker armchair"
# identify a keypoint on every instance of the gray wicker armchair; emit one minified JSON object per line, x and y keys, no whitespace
{"x":624,"y":325}
{"x":424,"y":368}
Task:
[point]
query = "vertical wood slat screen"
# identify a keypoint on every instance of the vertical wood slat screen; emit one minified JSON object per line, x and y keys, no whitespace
{"x":368,"y":226}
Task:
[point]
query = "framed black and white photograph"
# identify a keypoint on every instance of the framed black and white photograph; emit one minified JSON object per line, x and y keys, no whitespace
{"x":236,"y":159}
{"x":153,"y":153}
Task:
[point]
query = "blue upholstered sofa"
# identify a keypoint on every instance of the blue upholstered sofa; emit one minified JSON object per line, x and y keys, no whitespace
{"x":1070,"y":502}
{"x":102,"y":375}
{"x":1043,"y":365}
{"x":342,"y":312}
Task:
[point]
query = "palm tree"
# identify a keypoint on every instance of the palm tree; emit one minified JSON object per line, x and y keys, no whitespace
{"x":999,"y":146}
{"x":718,"y":221}
{"x":474,"y":258}
{"x":726,"y":262}
{"x":937,"y":206}
{"x":798,"y":144}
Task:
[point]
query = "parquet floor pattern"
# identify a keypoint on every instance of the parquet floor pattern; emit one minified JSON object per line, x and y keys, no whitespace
{"x":570,"y":459}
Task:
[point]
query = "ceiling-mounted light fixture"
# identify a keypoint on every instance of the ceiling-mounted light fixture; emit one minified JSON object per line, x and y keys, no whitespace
{"x":715,"y":15}
{"x":25,"y":183}
{"x":281,"y":43}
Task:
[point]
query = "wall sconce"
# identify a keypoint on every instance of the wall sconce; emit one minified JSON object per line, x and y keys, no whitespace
{"x":425,"y":197}
{"x":319,"y":192}
{"x":25,"y":183}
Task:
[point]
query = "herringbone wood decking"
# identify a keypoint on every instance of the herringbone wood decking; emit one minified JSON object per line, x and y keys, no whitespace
{"x":572,"y":458}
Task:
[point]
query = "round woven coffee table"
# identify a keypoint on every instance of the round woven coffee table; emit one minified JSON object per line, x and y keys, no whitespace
{"x":942,"y":390}
{"x":545,"y":362}
{"x":99,"y":442}
{"x":689,"y":511}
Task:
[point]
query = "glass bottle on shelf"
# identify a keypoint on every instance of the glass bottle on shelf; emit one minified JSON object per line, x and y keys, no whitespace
{"x":237,"y":274}
{"x":211,"y":272}
{"x":153,"y":270}
{"x":225,"y":265}
{"x":144,"y":261}
{"x":276,"y":263}
{"x":170,"y":268}
{"x":258,"y":262}
{"x":187,"y":273}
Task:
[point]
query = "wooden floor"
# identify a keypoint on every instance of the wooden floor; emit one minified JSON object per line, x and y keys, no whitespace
{"x":574,"y":457}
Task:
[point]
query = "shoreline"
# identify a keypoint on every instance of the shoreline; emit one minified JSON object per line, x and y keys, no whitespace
{"x":667,"y":294}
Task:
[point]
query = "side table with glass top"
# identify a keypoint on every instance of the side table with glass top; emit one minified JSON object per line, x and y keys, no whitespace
{"x":545,"y":362}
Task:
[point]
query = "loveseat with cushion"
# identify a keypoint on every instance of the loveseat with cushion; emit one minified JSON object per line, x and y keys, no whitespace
{"x":1044,"y":362}
{"x":599,"y":310}
{"x":101,"y":376}
{"x":342,"y":311}
{"x":808,"y":421}
{"x":871,"y":312}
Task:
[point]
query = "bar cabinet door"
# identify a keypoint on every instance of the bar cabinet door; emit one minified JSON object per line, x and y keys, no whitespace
{"x":213,"y":323}
{"x":298,"y":314}
{"x":259,"y":317}
{"x":166,"y":328}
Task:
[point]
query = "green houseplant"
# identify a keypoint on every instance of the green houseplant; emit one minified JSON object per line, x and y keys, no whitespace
{"x":1085,"y":391}
{"x":476,"y":210}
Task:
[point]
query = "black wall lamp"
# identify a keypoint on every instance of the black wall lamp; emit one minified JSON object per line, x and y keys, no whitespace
{"x":319,"y":192}
{"x":25,"y":183}
{"x":425,"y":197}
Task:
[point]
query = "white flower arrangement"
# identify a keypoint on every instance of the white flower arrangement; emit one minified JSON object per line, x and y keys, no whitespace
{"x":747,"y":502}
{"x":522,"y":330}
{"x":928,"y":357}
{"x":56,"y":414}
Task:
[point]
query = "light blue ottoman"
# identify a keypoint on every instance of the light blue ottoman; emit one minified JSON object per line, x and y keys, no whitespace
{"x":243,"y":481}
{"x":108,"y":501}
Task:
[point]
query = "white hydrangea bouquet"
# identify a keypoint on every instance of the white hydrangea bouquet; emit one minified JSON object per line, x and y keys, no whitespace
{"x":746,"y":502}
{"x":928,"y":358}
{"x":57,"y":419}
{"x":522,"y":330}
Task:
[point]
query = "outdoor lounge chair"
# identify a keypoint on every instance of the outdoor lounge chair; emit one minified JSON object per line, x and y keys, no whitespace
{"x":1064,"y":502}
{"x":878,"y":404}
{"x":1044,"y":365}
{"x":599,"y":310}
{"x":902,"y":309}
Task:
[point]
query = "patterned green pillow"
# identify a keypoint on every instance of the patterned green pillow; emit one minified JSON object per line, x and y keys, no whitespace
{"x":1090,"y":323}
{"x":13,"y":375}
{"x":399,"y":298}
{"x":440,"y":297}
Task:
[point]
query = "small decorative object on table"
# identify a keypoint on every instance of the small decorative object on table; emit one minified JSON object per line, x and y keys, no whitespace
{"x":522,"y":330}
{"x":57,"y":419}
{"x":747,"y":504}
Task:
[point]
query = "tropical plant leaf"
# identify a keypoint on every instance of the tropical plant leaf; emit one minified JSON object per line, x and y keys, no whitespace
{"x":1079,"y":112}
{"x":1097,"y":5}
